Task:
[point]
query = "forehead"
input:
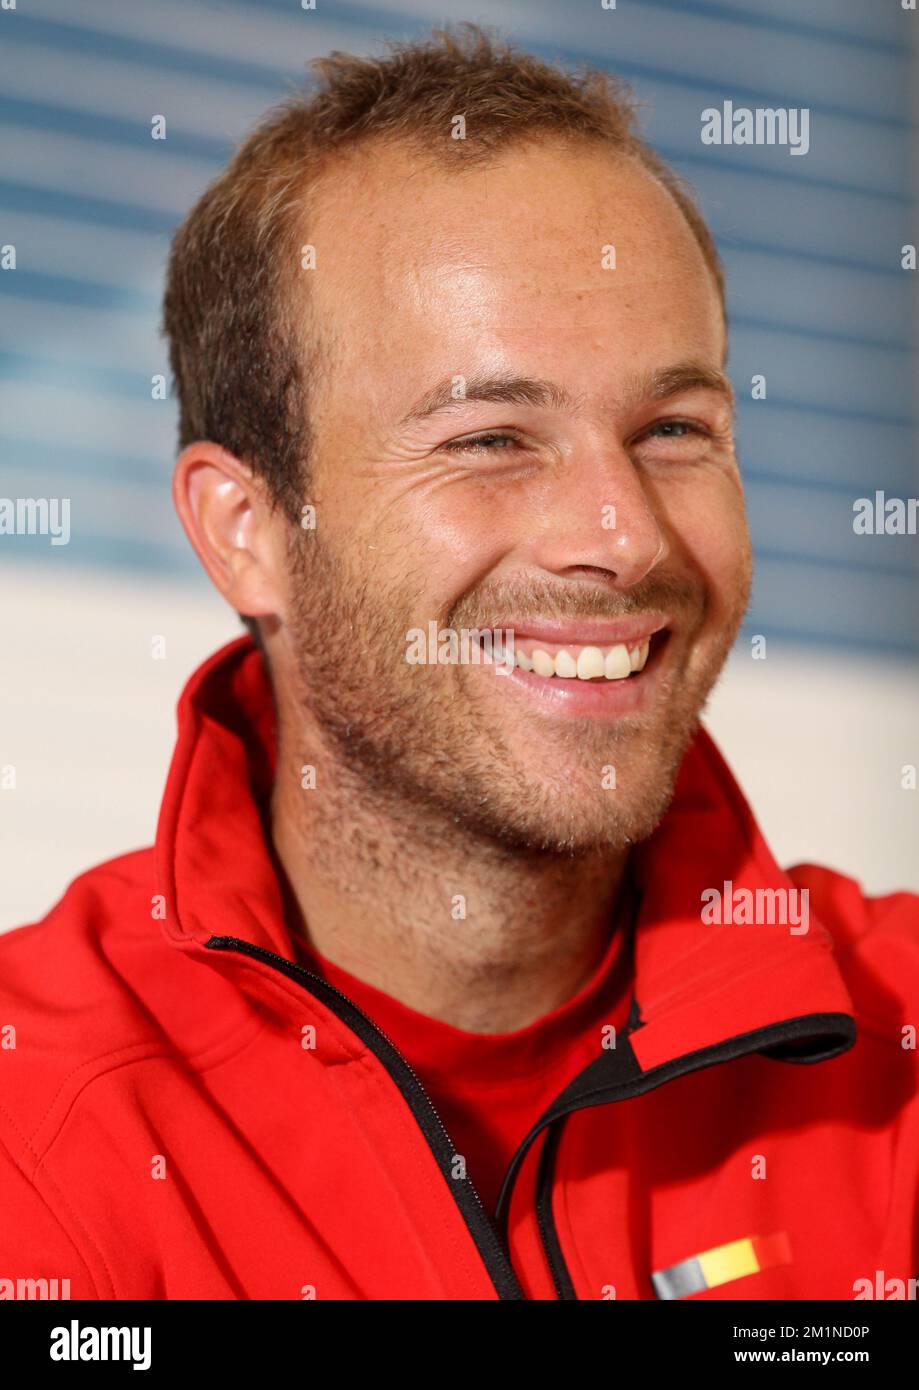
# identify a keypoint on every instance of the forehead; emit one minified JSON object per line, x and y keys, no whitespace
{"x":552,"y":244}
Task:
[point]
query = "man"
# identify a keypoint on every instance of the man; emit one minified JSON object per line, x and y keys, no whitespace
{"x":459,"y":969}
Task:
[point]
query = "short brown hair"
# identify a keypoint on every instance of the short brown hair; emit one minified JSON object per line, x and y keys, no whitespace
{"x":241,"y":375}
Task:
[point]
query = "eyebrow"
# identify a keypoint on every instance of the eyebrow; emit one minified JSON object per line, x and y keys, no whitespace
{"x":547,"y":395}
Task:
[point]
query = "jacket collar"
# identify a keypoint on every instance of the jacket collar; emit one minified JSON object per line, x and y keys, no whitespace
{"x":695,"y":984}
{"x":699,"y":982}
{"x":213,"y":864}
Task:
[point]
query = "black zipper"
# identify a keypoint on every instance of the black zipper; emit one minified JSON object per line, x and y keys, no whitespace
{"x":615,"y":1075}
{"x":551,"y":1245}
{"x":488,"y":1241}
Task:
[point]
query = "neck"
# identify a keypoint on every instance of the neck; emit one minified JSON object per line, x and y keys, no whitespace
{"x":460,"y":928}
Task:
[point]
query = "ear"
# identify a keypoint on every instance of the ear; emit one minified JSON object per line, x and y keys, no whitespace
{"x":226,"y":512}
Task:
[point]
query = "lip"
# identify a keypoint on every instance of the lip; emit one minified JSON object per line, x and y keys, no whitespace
{"x":579,"y":699}
{"x":600,"y":632}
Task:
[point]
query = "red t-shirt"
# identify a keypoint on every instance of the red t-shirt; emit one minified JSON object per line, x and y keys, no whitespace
{"x":490,"y":1088}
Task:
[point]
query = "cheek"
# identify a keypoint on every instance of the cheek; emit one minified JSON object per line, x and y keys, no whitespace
{"x":449,"y":540}
{"x":426,"y":549}
{"x":462,"y":540}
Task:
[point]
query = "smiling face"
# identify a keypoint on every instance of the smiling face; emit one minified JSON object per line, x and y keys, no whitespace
{"x":513,"y":432}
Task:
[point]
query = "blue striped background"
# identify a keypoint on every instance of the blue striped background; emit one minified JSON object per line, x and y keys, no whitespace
{"x":818,"y":301}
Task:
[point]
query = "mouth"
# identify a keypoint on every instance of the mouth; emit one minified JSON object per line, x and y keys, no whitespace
{"x":583,"y":662}
{"x":610,"y":678}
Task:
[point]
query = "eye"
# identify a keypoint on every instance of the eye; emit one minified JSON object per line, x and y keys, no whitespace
{"x":674,"y":429}
{"x":493,"y":443}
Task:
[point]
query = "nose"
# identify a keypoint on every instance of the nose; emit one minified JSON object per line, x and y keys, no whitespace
{"x":595,"y":516}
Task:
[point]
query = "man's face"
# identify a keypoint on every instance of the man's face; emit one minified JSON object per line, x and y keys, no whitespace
{"x":596,"y":510}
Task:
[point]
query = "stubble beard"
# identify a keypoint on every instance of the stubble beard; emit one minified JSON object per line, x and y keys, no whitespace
{"x":417,"y":744}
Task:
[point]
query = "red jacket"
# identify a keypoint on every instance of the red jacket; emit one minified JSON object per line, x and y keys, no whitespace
{"x":172,"y":1127}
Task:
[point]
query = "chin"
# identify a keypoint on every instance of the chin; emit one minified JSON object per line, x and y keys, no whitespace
{"x":571,"y":822}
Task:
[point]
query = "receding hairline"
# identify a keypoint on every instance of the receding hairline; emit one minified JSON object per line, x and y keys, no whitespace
{"x":332,"y":163}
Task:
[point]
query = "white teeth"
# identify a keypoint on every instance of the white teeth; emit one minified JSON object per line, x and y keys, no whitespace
{"x":617,"y":664}
{"x":590,"y":663}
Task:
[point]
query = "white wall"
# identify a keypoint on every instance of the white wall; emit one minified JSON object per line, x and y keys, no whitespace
{"x":88,"y":720}
{"x":818,"y":740}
